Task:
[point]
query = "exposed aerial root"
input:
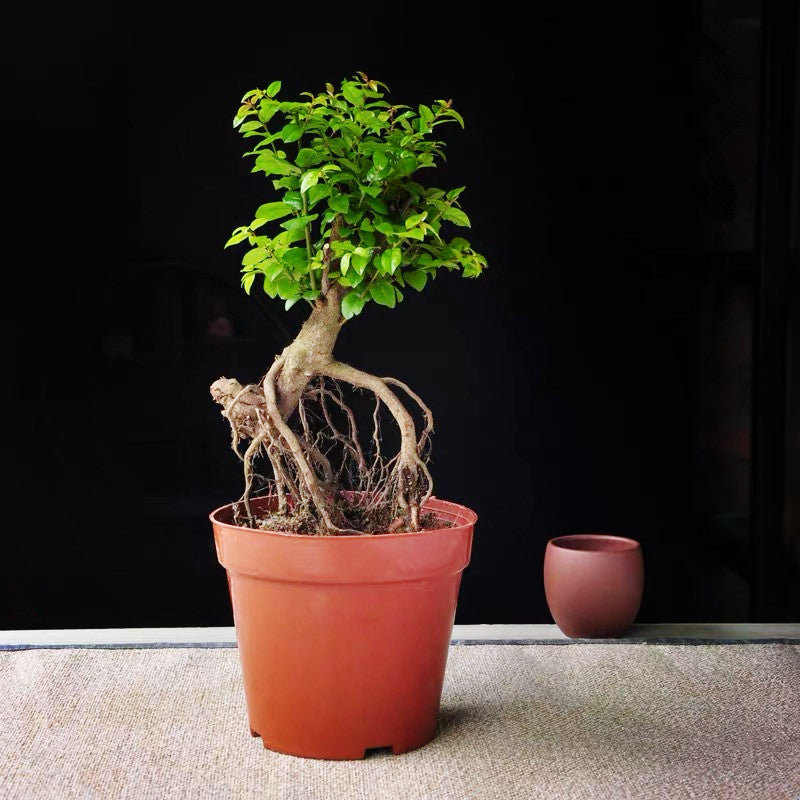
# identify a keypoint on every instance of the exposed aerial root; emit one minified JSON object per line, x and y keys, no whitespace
{"x":326,"y":479}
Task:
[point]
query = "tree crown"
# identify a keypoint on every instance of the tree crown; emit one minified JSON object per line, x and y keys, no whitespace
{"x":350,"y":211}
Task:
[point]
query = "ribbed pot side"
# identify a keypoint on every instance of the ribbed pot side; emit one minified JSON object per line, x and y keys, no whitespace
{"x":343,"y":640}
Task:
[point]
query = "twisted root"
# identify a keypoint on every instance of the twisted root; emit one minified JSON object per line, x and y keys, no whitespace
{"x":363,"y":495}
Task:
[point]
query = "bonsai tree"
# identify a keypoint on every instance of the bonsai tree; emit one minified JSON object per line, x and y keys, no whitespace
{"x":349,"y":221}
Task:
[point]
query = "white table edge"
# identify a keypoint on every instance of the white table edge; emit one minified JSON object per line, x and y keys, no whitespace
{"x":487,"y":633}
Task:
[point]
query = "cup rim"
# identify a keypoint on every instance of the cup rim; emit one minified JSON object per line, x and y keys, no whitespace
{"x":624,"y":544}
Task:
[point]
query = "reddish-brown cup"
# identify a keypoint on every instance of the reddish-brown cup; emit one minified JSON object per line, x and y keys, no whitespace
{"x":593,"y":584}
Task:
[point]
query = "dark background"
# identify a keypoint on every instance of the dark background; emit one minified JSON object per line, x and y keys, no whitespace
{"x":627,"y":364}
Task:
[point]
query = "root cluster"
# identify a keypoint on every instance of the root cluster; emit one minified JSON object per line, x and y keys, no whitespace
{"x":325,"y":464}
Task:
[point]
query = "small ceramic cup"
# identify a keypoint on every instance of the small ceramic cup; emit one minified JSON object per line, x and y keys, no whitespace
{"x":593,"y":584}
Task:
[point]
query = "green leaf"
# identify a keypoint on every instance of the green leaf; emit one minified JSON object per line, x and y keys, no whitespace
{"x":453,"y":193}
{"x":317,"y":193}
{"x":407,"y":165}
{"x":269,"y":287}
{"x":415,"y":219}
{"x":271,"y":268}
{"x":290,"y":301}
{"x":390,"y":260}
{"x":382,"y":292}
{"x":286,"y":238}
{"x":271,"y":164}
{"x":269,"y":211}
{"x":294,"y":200}
{"x":471,"y":269}
{"x":376,"y":204}
{"x":473,"y":265}
{"x":309,"y":179}
{"x":353,"y":216}
{"x":352,"y":304}
{"x":286,"y":288}
{"x":287,"y":182}
{"x":359,"y":260}
{"x":342,"y":246}
{"x":308,"y":157}
{"x":273,"y":88}
{"x":416,"y":278}
{"x":367,"y":119}
{"x":351,"y":279}
{"x":254,"y":256}
{"x":344,"y":263}
{"x":386,"y":228}
{"x":291,"y":132}
{"x":291,"y":107}
{"x":267,"y":110}
{"x":352,"y":94}
{"x":239,"y":235}
{"x":367,"y":239}
{"x":457,"y":216}
{"x":455,"y":115}
{"x":295,"y":257}
{"x":426,"y":114}
{"x":340,"y":203}
{"x":247,"y":281}
{"x":298,"y":222}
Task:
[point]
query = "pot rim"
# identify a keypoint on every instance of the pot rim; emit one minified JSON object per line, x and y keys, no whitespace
{"x":626,"y":544}
{"x":461,"y":516}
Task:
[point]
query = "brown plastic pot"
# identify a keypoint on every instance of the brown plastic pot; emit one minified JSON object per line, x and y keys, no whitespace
{"x":343,"y":640}
{"x":593,"y":584}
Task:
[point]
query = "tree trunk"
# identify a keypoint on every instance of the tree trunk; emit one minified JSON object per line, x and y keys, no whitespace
{"x":310,"y":352}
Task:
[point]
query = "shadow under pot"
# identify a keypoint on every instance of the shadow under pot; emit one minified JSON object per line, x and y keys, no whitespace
{"x":593,"y":584}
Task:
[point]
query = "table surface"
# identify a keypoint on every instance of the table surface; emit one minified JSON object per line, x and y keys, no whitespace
{"x":522,"y":634}
{"x":666,"y":713}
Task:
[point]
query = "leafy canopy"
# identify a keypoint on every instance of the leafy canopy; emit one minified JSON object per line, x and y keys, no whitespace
{"x":348,"y":208}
